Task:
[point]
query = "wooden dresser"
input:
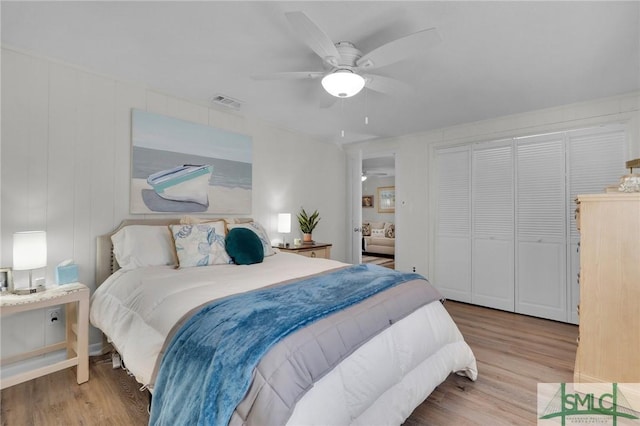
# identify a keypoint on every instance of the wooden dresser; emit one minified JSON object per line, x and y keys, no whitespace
{"x":609,"y":342}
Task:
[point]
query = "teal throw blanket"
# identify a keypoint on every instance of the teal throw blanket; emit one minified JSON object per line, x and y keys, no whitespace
{"x":208,"y":366}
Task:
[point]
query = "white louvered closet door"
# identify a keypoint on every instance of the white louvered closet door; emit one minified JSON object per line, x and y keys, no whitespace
{"x":452,"y":272}
{"x":492,"y":282}
{"x":541,"y":227}
{"x":596,"y":159}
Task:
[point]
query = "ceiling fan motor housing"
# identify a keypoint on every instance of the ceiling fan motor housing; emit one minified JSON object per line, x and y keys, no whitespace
{"x":348,"y":54}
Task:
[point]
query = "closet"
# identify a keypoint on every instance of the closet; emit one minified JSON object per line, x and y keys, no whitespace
{"x":504,"y":217}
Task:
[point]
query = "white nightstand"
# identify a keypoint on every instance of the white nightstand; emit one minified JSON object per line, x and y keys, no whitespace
{"x":76,"y":298}
{"x":319,"y":250}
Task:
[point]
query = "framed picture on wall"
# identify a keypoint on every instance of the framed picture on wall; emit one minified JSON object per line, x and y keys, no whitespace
{"x":367,"y":201}
{"x":182,"y":167}
{"x":387,"y":199}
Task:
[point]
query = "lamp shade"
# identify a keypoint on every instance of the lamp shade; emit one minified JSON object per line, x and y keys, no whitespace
{"x":343,"y":83}
{"x":29,"y":250}
{"x":284,"y":223}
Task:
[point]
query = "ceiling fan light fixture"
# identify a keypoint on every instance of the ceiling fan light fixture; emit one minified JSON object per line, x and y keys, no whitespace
{"x":343,"y":83}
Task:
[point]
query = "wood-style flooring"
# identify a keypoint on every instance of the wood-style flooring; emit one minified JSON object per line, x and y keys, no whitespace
{"x":387,"y":262}
{"x":514,"y":353}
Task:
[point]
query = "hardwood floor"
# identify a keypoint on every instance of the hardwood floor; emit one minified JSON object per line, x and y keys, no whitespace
{"x":514,"y":353}
{"x":387,"y":262}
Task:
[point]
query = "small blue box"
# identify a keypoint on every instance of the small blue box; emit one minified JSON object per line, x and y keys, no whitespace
{"x":66,"y":274}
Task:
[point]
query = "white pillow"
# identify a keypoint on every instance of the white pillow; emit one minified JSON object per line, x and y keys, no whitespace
{"x":137,"y":246}
{"x":200,"y":244}
{"x":379,"y":233}
{"x":260,"y":231}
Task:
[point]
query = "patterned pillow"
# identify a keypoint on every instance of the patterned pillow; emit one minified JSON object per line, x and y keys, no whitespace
{"x":378,"y":233}
{"x":366,"y":229}
{"x":200,"y":244}
{"x":389,"y":230}
{"x":260,"y":231}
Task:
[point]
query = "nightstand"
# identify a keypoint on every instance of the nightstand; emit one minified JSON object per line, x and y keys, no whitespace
{"x":76,"y":298}
{"x":321,"y":250}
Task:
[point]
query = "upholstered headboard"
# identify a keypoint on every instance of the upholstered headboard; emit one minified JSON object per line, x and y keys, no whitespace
{"x":106,"y":263}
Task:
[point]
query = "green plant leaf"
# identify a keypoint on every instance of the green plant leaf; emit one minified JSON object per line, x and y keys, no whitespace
{"x":308,"y":223}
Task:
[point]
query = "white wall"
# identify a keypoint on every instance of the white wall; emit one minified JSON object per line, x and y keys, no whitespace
{"x":370,"y":187}
{"x":65,"y":168}
{"x":413,"y":160}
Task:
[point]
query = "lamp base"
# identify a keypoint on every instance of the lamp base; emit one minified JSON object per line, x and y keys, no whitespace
{"x":29,"y":290}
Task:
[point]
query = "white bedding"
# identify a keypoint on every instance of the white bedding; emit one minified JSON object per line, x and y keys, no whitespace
{"x":136,"y":309}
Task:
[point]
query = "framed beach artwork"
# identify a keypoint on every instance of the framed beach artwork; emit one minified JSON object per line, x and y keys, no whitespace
{"x":182,"y":167}
{"x":387,"y":199}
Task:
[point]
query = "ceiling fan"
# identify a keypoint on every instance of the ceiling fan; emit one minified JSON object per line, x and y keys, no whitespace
{"x":347,"y":68}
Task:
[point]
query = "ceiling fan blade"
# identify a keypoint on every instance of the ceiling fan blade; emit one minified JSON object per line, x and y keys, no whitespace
{"x":314,"y":37}
{"x":399,"y":49}
{"x":295,"y":75}
{"x":386,"y":85}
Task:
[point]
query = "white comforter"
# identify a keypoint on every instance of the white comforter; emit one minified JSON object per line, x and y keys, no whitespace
{"x":136,"y":309}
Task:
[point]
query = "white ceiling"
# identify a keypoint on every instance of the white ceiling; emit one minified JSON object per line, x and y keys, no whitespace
{"x":495,"y":58}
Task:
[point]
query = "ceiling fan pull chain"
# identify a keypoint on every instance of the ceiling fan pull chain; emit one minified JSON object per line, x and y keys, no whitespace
{"x":366,"y":109}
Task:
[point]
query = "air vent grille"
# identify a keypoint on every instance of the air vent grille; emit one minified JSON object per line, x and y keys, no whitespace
{"x":226,"y":101}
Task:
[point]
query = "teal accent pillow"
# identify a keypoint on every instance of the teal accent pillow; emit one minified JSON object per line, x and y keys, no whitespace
{"x":244,"y":246}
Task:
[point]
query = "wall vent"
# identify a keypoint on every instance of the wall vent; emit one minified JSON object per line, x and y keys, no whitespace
{"x":226,"y":101}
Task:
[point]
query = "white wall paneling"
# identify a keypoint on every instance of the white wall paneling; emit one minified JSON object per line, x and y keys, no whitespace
{"x":66,"y":144}
{"x":412,"y":209}
{"x":25,"y":123}
{"x":355,"y":211}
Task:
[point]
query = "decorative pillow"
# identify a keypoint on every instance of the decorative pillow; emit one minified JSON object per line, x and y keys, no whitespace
{"x":137,"y":246}
{"x":244,"y":246}
{"x":389,"y":230}
{"x":377,"y":225}
{"x":366,"y":229}
{"x":378,"y":233}
{"x":260,"y":232}
{"x":200,"y":245}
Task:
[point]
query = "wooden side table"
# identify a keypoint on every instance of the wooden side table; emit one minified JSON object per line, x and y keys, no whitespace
{"x":321,"y":250}
{"x":76,"y":298}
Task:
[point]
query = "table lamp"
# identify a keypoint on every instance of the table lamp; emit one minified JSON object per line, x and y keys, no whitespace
{"x":29,"y":253}
{"x":284,"y":225}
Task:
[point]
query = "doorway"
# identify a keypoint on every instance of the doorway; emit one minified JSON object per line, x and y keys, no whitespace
{"x":378,"y":210}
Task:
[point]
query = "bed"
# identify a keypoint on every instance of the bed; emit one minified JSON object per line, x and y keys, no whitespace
{"x":371,"y":362}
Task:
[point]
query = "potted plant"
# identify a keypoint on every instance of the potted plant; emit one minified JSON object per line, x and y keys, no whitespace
{"x":308,"y":224}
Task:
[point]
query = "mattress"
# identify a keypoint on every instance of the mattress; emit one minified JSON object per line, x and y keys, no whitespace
{"x":136,"y":309}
